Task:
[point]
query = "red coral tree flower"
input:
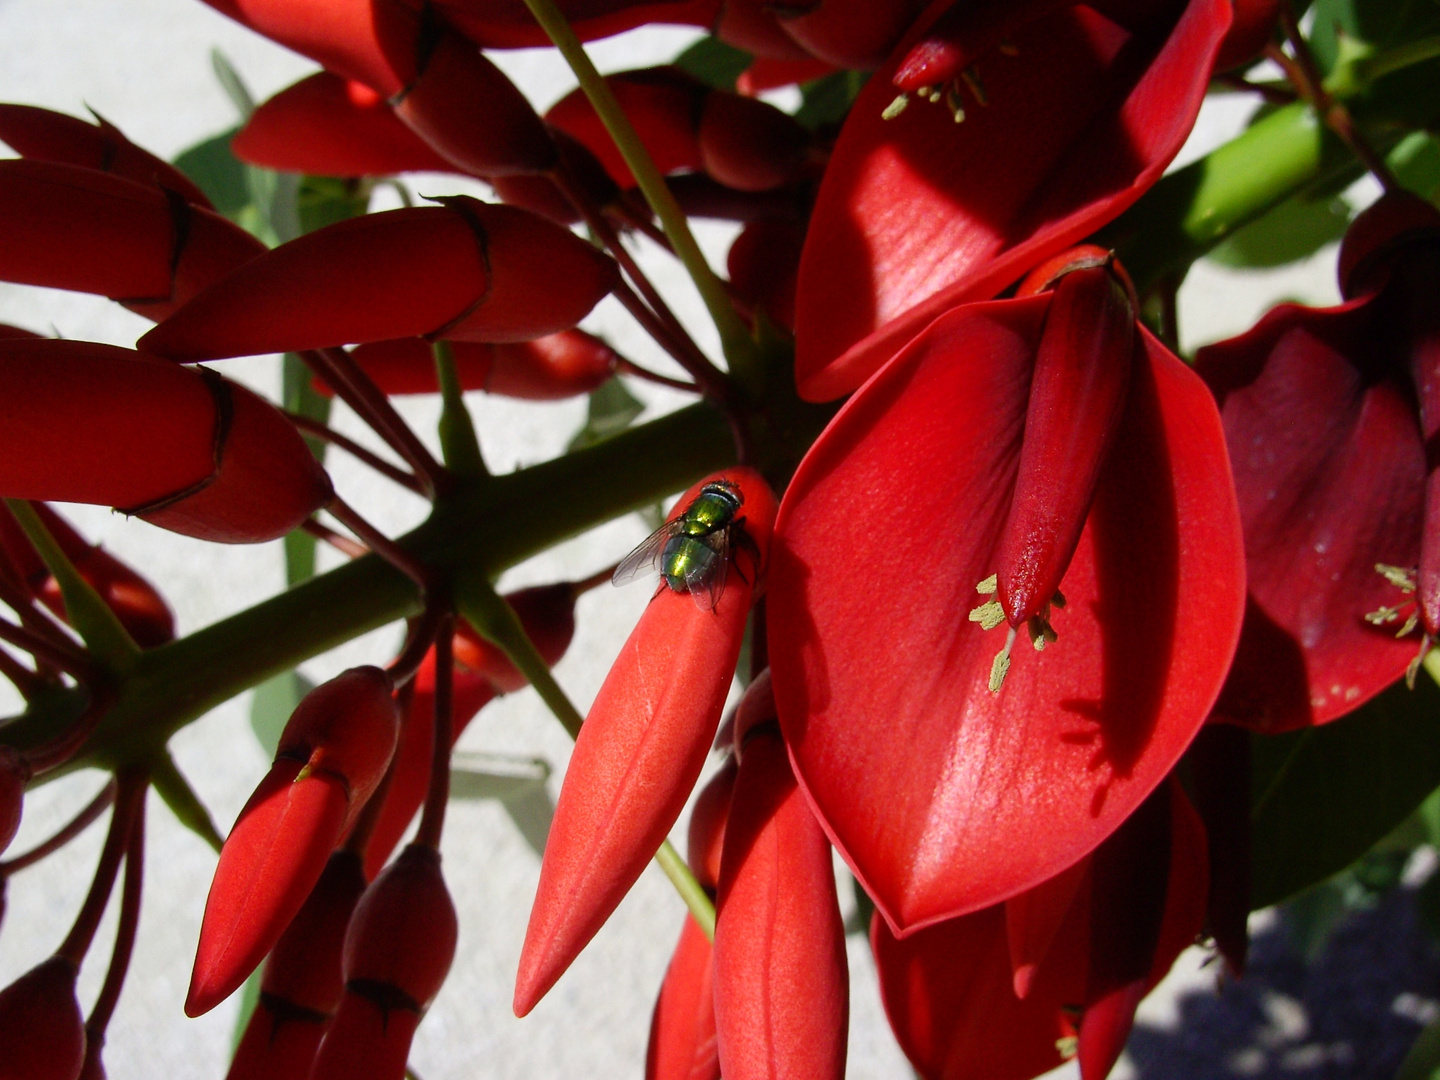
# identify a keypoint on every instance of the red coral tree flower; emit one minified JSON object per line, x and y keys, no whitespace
{"x":1002,"y":443}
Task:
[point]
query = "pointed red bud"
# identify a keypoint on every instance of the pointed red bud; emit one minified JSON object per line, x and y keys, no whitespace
{"x":397,"y":953}
{"x":539,"y":192}
{"x":327,"y":125}
{"x":135,"y":602}
{"x":682,"y":1028}
{"x":186,"y":450}
{"x":463,"y":105}
{"x":782,"y":993}
{"x":767,"y":74}
{"x":331,"y":755}
{"x":550,"y":368}
{"x":706,"y":837}
{"x":44,"y":135}
{"x":42,"y":1033}
{"x":763,"y":264}
{"x":852,"y":33}
{"x":643,"y":745}
{"x":14,"y":775}
{"x":303,"y":980}
{"x":1077,"y":396}
{"x":751,"y":25}
{"x":68,"y":227}
{"x":468,"y":270}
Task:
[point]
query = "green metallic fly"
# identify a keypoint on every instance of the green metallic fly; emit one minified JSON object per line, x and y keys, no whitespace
{"x":692,"y":551}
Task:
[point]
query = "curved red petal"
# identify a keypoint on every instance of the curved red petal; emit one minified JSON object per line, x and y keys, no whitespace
{"x":1330,"y":472}
{"x":682,"y":1028}
{"x":943,"y":797}
{"x":917,"y":214}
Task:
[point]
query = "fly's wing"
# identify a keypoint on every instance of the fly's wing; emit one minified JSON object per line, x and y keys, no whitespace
{"x":705,"y":584}
{"x":646,"y":556}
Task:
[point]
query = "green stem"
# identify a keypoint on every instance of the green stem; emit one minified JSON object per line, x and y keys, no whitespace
{"x":488,"y":612}
{"x":458,"y":442}
{"x":734,"y":338}
{"x":479,"y":529}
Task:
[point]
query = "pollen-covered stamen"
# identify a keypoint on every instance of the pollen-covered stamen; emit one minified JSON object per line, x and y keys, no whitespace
{"x":1404,"y":580}
{"x":1077,"y":396}
{"x":990,"y":615}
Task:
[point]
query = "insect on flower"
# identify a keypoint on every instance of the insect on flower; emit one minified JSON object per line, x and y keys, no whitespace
{"x":691,"y":551}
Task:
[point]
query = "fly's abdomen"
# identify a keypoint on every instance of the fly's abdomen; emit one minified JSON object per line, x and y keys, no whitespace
{"x":686,"y":558}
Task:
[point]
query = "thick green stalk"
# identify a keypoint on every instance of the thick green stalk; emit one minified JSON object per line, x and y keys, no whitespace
{"x":479,"y":529}
{"x":458,"y":442}
{"x":734,"y":337}
{"x":1191,"y":210}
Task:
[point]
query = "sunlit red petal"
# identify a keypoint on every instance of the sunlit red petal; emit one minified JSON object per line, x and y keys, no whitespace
{"x":944,"y":797}
{"x":917,"y":213}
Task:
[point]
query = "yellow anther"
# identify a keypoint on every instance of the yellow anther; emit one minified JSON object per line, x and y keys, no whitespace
{"x":989,"y":586}
{"x":1399,"y":576}
{"x":971,"y":76}
{"x":989,"y":615}
{"x":896,"y":107}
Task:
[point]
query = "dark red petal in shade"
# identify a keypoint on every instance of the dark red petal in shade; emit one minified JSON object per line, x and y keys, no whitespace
{"x":782,"y":993}
{"x":44,"y":135}
{"x":851,"y":33}
{"x":550,"y":368}
{"x":766,"y":74}
{"x":959,"y":798}
{"x":1329,"y":469}
{"x":68,"y":227}
{"x":330,"y":126}
{"x":637,"y":758}
{"x":42,"y":1031}
{"x":682,"y":1027}
{"x":750,"y":25}
{"x":917,"y":213}
{"x":14,"y":775}
{"x":472,"y":270}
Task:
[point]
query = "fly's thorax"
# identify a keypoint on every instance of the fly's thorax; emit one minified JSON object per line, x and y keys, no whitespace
{"x":713,"y":509}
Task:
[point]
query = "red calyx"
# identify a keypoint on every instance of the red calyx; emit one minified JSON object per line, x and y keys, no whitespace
{"x":42,"y":1033}
{"x":331,"y":755}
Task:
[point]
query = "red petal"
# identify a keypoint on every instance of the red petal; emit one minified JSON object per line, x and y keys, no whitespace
{"x":782,"y":995}
{"x":42,"y":1033}
{"x":508,"y":24}
{"x":1330,"y":472}
{"x":328,"y":126}
{"x":943,"y":797}
{"x":14,"y":775}
{"x":638,"y":756}
{"x":917,"y":214}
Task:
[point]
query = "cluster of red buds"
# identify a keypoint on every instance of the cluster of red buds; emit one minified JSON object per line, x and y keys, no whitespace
{"x":1016,"y":595}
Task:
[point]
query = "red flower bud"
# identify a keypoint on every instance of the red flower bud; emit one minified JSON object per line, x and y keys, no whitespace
{"x":749,"y":144}
{"x":767,"y":74}
{"x":136,"y":603}
{"x":682,"y":1028}
{"x":763,"y":263}
{"x":751,"y":25}
{"x":482,"y":672}
{"x":708,"y":816}
{"x":556,"y":366}
{"x":663,"y":103}
{"x":468,"y":270}
{"x":184,"y":449}
{"x":463,"y":105}
{"x":508,"y":24}
{"x":14,"y":775}
{"x":538,"y":192}
{"x":327,"y":125}
{"x":398,"y":951}
{"x":647,"y":735}
{"x":782,"y":995}
{"x":44,"y":135}
{"x":42,"y":1034}
{"x":303,"y":980}
{"x":332,"y":753}
{"x":72,"y":228}
{"x":376,"y":42}
{"x":1252,"y":30}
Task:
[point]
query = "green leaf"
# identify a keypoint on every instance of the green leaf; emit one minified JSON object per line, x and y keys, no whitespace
{"x":1416,"y":164}
{"x":612,"y":409}
{"x":1295,"y":229}
{"x":325,"y":200}
{"x":172,"y":787}
{"x":218,"y":173}
{"x":826,"y":101}
{"x":713,"y":62}
{"x":271,"y":705}
{"x":234,"y":86}
{"x":1324,"y":796}
{"x":1423,"y":1060}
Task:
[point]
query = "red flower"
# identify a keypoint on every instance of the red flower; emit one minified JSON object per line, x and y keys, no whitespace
{"x":1005,"y":442}
{"x":1112,"y":927}
{"x":1084,"y":106}
{"x":42,"y":1032}
{"x":1329,"y":454}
